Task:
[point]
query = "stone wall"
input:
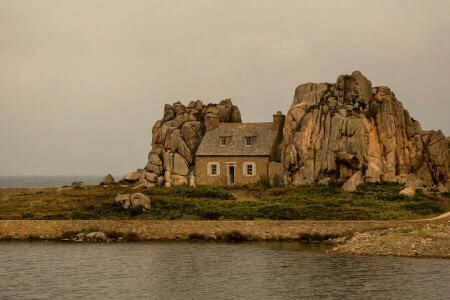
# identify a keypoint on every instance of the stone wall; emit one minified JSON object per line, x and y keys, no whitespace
{"x":201,"y":169}
{"x":172,"y":230}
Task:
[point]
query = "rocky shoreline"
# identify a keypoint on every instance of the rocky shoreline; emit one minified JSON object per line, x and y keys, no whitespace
{"x":431,"y":240}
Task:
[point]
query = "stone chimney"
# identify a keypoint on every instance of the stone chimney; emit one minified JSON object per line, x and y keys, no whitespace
{"x":278,"y":121}
{"x":210,"y":122}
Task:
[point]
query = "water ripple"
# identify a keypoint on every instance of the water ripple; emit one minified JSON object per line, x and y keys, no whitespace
{"x":164,"y":270}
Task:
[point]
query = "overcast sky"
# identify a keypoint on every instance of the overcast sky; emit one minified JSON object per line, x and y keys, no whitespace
{"x":83,"y":82}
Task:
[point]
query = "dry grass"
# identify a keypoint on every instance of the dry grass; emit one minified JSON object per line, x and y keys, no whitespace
{"x":14,"y":203}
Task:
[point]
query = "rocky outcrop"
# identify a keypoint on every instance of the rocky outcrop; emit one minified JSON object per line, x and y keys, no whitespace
{"x":176,"y":138}
{"x":333,"y":131}
{"x":108,"y":179}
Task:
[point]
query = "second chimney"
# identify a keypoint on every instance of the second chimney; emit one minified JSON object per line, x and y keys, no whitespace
{"x":211,"y":121}
{"x":278,"y":121}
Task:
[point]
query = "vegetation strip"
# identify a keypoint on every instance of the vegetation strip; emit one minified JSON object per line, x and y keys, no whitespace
{"x":371,"y":201}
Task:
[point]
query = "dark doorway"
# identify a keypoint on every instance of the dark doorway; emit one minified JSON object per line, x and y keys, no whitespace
{"x":231,"y":174}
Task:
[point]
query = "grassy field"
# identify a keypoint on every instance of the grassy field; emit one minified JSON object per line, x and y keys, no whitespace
{"x":255,"y":202}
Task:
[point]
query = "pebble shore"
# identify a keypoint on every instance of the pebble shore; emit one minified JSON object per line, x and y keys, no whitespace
{"x":431,"y":240}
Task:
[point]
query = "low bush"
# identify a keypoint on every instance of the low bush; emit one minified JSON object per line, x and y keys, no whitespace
{"x":27,"y":216}
{"x":111,"y":234}
{"x":78,"y":215}
{"x":131,"y":236}
{"x":135,"y":211}
{"x":55,"y":217}
{"x":234,"y":236}
{"x":197,"y":236}
{"x":191,"y":192}
{"x":69,"y":234}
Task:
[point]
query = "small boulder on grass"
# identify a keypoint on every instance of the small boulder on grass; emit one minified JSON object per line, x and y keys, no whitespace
{"x":108,"y":179}
{"x":352,"y":183}
{"x":78,"y":185}
{"x":409,"y":191}
{"x":134,"y":200}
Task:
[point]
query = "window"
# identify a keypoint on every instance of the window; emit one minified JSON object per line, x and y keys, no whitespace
{"x":213,"y":169}
{"x":249,"y":169}
{"x":223,"y":141}
{"x":248,"y":141}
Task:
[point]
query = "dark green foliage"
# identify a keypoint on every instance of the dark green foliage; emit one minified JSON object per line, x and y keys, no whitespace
{"x":55,"y":217}
{"x":234,"y":236}
{"x":126,"y":236}
{"x":191,"y":192}
{"x":113,"y":234}
{"x":69,"y":234}
{"x":423,"y":207}
{"x":131,"y":236}
{"x":78,"y":215}
{"x":197,"y":236}
{"x":135,"y":211}
{"x":27,"y":215}
{"x":371,"y":201}
{"x":321,"y":202}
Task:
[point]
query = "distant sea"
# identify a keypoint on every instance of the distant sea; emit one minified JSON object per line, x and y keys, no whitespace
{"x":40,"y":181}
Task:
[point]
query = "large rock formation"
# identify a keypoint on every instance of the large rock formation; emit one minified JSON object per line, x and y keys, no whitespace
{"x":176,"y":138}
{"x":333,"y":131}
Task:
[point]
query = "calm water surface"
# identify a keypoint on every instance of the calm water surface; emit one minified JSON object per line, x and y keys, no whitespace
{"x":41,"y":181}
{"x":183,"y":270}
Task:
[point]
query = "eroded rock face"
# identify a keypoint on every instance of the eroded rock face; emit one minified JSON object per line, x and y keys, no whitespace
{"x":176,"y":138}
{"x":333,"y":131}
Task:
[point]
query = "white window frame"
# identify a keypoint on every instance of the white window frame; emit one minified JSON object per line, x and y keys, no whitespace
{"x":209,"y":169}
{"x":223,"y":139}
{"x":244,"y":169}
{"x":248,"y":141}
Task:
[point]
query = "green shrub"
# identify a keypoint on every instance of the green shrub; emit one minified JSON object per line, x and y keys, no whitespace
{"x":135,"y":211}
{"x":197,"y":236}
{"x":423,"y":207}
{"x":69,"y":234}
{"x":55,"y":217}
{"x":191,"y":192}
{"x":131,"y":236}
{"x":78,"y":215}
{"x":27,"y":216}
{"x":111,"y":234}
{"x":210,"y":212}
{"x":235,"y":236}
{"x":406,"y":230}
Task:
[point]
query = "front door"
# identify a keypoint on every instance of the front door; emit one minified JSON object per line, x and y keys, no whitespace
{"x":231,"y":174}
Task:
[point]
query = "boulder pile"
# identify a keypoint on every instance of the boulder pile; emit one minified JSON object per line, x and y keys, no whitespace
{"x":351,"y":132}
{"x":176,"y":138}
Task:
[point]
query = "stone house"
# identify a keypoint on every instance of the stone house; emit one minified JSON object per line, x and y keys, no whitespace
{"x":240,"y":153}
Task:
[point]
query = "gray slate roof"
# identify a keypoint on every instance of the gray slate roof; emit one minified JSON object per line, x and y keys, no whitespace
{"x":263,"y":137}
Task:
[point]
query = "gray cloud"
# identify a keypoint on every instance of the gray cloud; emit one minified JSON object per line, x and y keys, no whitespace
{"x":82,"y":82}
